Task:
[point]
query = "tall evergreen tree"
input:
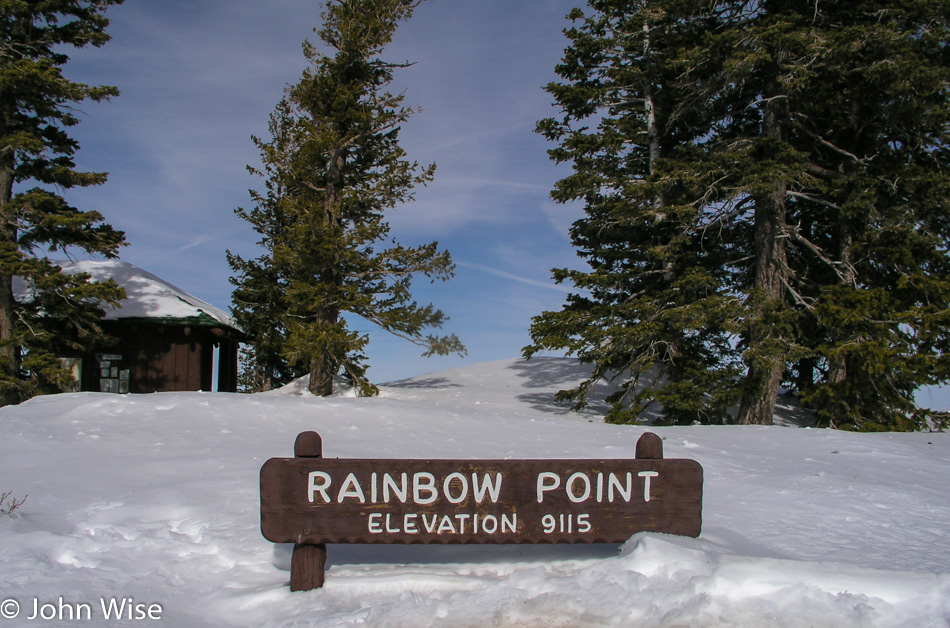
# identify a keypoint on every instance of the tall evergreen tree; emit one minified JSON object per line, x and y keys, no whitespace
{"x":831,"y":119}
{"x":760,"y":55}
{"x":803,"y":145}
{"x":37,"y":107}
{"x":334,"y":167}
{"x":875,"y":127}
{"x":651,"y":314}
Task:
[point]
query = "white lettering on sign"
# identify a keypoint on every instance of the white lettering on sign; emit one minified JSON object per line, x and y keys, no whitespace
{"x":389,"y":486}
{"x":646,"y":475}
{"x":351,"y":488}
{"x":568,"y":523}
{"x":319,"y":483}
{"x":547,"y":481}
{"x":424,"y":483}
{"x":462,"y":482}
{"x":579,"y":487}
{"x":419,"y":488}
{"x":458,"y":523}
{"x":486,"y":487}
{"x":572,"y":493}
{"x":424,"y":488}
{"x":625,"y":490}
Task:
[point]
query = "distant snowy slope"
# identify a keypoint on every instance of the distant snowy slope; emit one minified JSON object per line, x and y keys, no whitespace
{"x":155,"y":497}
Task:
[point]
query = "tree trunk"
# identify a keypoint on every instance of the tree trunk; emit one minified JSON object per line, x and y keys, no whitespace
{"x":765,"y":372}
{"x":649,"y":107}
{"x":758,"y":405}
{"x":767,"y":365}
{"x":9,"y":352}
{"x":325,"y":364}
{"x":838,"y":364}
{"x":322,"y":371}
{"x":806,"y":374}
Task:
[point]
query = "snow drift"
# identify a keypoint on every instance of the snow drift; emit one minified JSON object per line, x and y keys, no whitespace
{"x":154,"y":499}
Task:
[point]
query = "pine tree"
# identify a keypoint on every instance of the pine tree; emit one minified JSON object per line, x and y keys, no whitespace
{"x":832,"y":120}
{"x":652,"y":315}
{"x":333,"y":168}
{"x":875,"y":126}
{"x":761,"y":52}
{"x":37,"y":107}
{"x":802,"y":147}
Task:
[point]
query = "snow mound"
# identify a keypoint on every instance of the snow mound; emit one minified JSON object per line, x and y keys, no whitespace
{"x":300,"y":387}
{"x":155,"y":498}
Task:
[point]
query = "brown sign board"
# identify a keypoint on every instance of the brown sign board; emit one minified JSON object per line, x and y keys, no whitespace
{"x":313,"y":500}
{"x":310,"y":501}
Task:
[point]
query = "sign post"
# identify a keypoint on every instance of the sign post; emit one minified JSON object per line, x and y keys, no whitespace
{"x":310,"y":501}
{"x":308,"y":562}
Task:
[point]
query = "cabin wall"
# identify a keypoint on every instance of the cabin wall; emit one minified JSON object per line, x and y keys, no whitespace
{"x":158,"y":358}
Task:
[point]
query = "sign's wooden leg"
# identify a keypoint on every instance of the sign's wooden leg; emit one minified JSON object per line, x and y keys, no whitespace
{"x":307,"y":566}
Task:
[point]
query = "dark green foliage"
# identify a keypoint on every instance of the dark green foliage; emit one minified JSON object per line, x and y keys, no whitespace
{"x":766,"y":184}
{"x":260,"y":290}
{"x":258,"y":308}
{"x":873,"y":212}
{"x":37,"y":107}
{"x":652,"y":314}
{"x":333,"y":167}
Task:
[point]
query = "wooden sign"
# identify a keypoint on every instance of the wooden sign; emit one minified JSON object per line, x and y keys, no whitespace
{"x":311,"y":501}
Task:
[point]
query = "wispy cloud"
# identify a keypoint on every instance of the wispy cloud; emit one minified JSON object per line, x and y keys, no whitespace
{"x":513,"y":277}
{"x":202,"y":239}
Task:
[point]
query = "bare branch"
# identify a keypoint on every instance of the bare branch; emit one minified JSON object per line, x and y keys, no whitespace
{"x":845,"y":271}
{"x":812,"y":199}
{"x":827,"y":144}
{"x":799,"y":299}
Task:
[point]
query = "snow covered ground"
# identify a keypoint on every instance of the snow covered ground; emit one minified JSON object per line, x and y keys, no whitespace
{"x":156,"y":498}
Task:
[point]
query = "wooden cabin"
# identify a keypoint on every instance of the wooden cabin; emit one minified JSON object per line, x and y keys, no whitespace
{"x":166,"y":339}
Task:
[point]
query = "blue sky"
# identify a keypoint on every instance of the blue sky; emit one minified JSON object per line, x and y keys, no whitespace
{"x":199,"y":77}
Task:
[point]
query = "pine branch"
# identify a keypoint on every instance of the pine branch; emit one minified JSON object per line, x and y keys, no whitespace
{"x":799,"y":299}
{"x":827,"y":144}
{"x":812,"y":199}
{"x":846,"y":272}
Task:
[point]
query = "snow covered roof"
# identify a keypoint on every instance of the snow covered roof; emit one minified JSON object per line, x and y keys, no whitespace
{"x":147,"y":296}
